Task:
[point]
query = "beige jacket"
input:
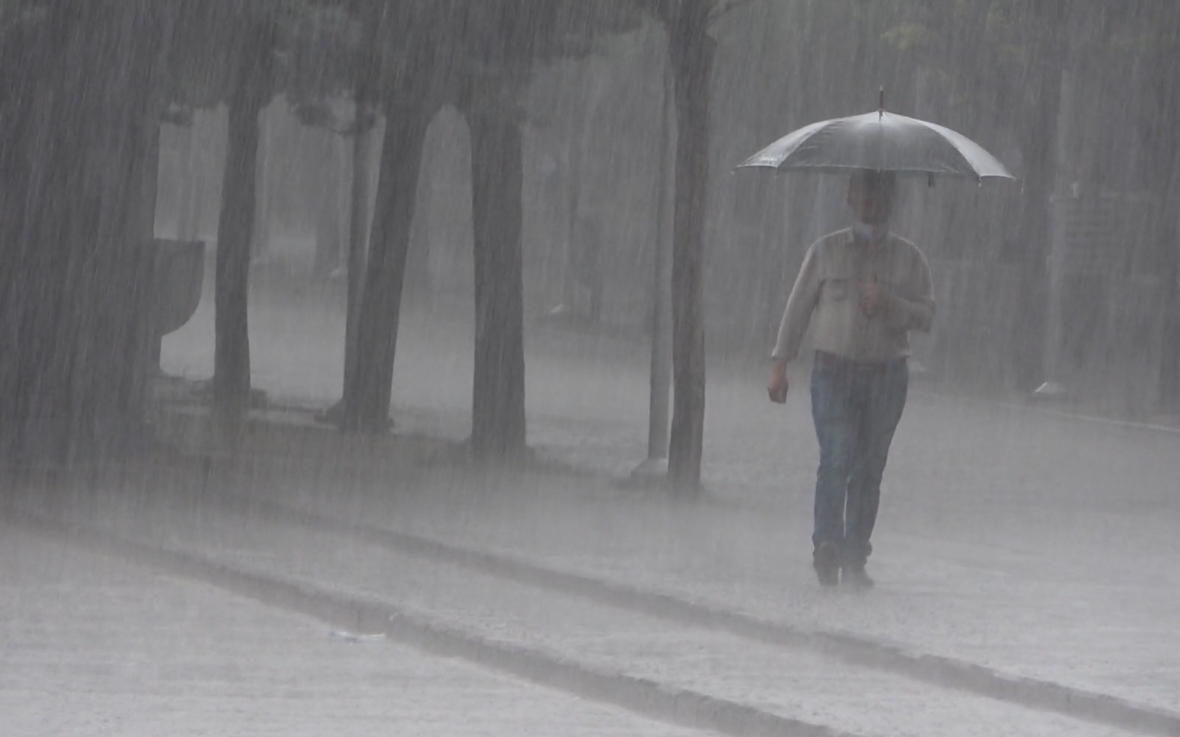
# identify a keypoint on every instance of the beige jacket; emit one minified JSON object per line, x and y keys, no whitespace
{"x":827,"y":296}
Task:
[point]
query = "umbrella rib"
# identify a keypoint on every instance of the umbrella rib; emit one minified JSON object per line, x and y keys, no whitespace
{"x":951,"y":138}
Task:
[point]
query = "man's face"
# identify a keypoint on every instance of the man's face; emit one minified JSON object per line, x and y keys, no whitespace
{"x":872,"y":204}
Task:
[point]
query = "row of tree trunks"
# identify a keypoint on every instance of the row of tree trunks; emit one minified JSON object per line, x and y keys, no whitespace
{"x":498,"y":416}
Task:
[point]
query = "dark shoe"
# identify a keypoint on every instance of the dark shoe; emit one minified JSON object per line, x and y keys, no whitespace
{"x":826,"y":560}
{"x":855,"y":577}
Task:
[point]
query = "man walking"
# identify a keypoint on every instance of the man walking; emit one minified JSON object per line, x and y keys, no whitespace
{"x":862,"y":289}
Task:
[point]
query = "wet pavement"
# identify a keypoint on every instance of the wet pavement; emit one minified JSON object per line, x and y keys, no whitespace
{"x":94,"y":645}
{"x":1029,"y":548}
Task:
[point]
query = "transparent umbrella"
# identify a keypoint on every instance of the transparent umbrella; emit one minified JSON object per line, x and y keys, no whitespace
{"x":883,"y":141}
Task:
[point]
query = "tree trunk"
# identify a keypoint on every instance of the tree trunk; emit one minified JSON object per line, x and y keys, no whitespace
{"x":1168,"y":229}
{"x":231,"y":361}
{"x":74,"y":342}
{"x":1164,"y":140}
{"x":146,"y":225}
{"x":497,"y":417}
{"x":692,"y":53}
{"x":359,"y":214}
{"x":660,"y":378}
{"x":359,"y":222}
{"x":20,"y":172}
{"x":367,"y":397}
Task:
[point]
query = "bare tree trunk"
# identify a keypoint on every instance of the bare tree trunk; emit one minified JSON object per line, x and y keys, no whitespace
{"x":74,"y":348}
{"x":231,"y":362}
{"x":359,"y":215}
{"x":231,"y":372}
{"x":498,"y":417}
{"x":359,"y":222}
{"x":1169,"y":239}
{"x":661,"y":344}
{"x":692,"y":53}
{"x":367,"y":397}
{"x":1164,"y":140}
{"x":146,"y":225}
{"x":17,"y":189}
{"x":122,"y":343}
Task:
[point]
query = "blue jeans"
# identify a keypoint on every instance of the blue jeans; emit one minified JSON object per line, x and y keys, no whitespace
{"x":856,"y":407}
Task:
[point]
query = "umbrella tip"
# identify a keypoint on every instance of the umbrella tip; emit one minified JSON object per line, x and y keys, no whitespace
{"x":881,"y":102}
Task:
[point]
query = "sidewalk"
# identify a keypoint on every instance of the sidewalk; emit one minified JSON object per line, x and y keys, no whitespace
{"x":1034,"y":544}
{"x":97,"y":646}
{"x":1092,"y":603}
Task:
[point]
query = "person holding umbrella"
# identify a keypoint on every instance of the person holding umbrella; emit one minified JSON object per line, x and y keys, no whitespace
{"x":861,"y":290}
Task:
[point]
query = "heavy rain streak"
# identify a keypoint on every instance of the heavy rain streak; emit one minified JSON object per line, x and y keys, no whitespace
{"x":587,"y":367}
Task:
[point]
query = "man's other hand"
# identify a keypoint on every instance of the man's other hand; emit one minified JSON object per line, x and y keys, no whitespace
{"x":777,"y":386}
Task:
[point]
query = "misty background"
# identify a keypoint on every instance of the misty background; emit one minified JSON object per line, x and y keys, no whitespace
{"x":1078,"y":102}
{"x":515,"y":161}
{"x":367,"y":310}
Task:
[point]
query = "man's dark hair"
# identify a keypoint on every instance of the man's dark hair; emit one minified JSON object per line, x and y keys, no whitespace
{"x":883,"y":182}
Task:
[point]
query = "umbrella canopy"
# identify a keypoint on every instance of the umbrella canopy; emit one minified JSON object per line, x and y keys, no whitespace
{"x":882,"y":141}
